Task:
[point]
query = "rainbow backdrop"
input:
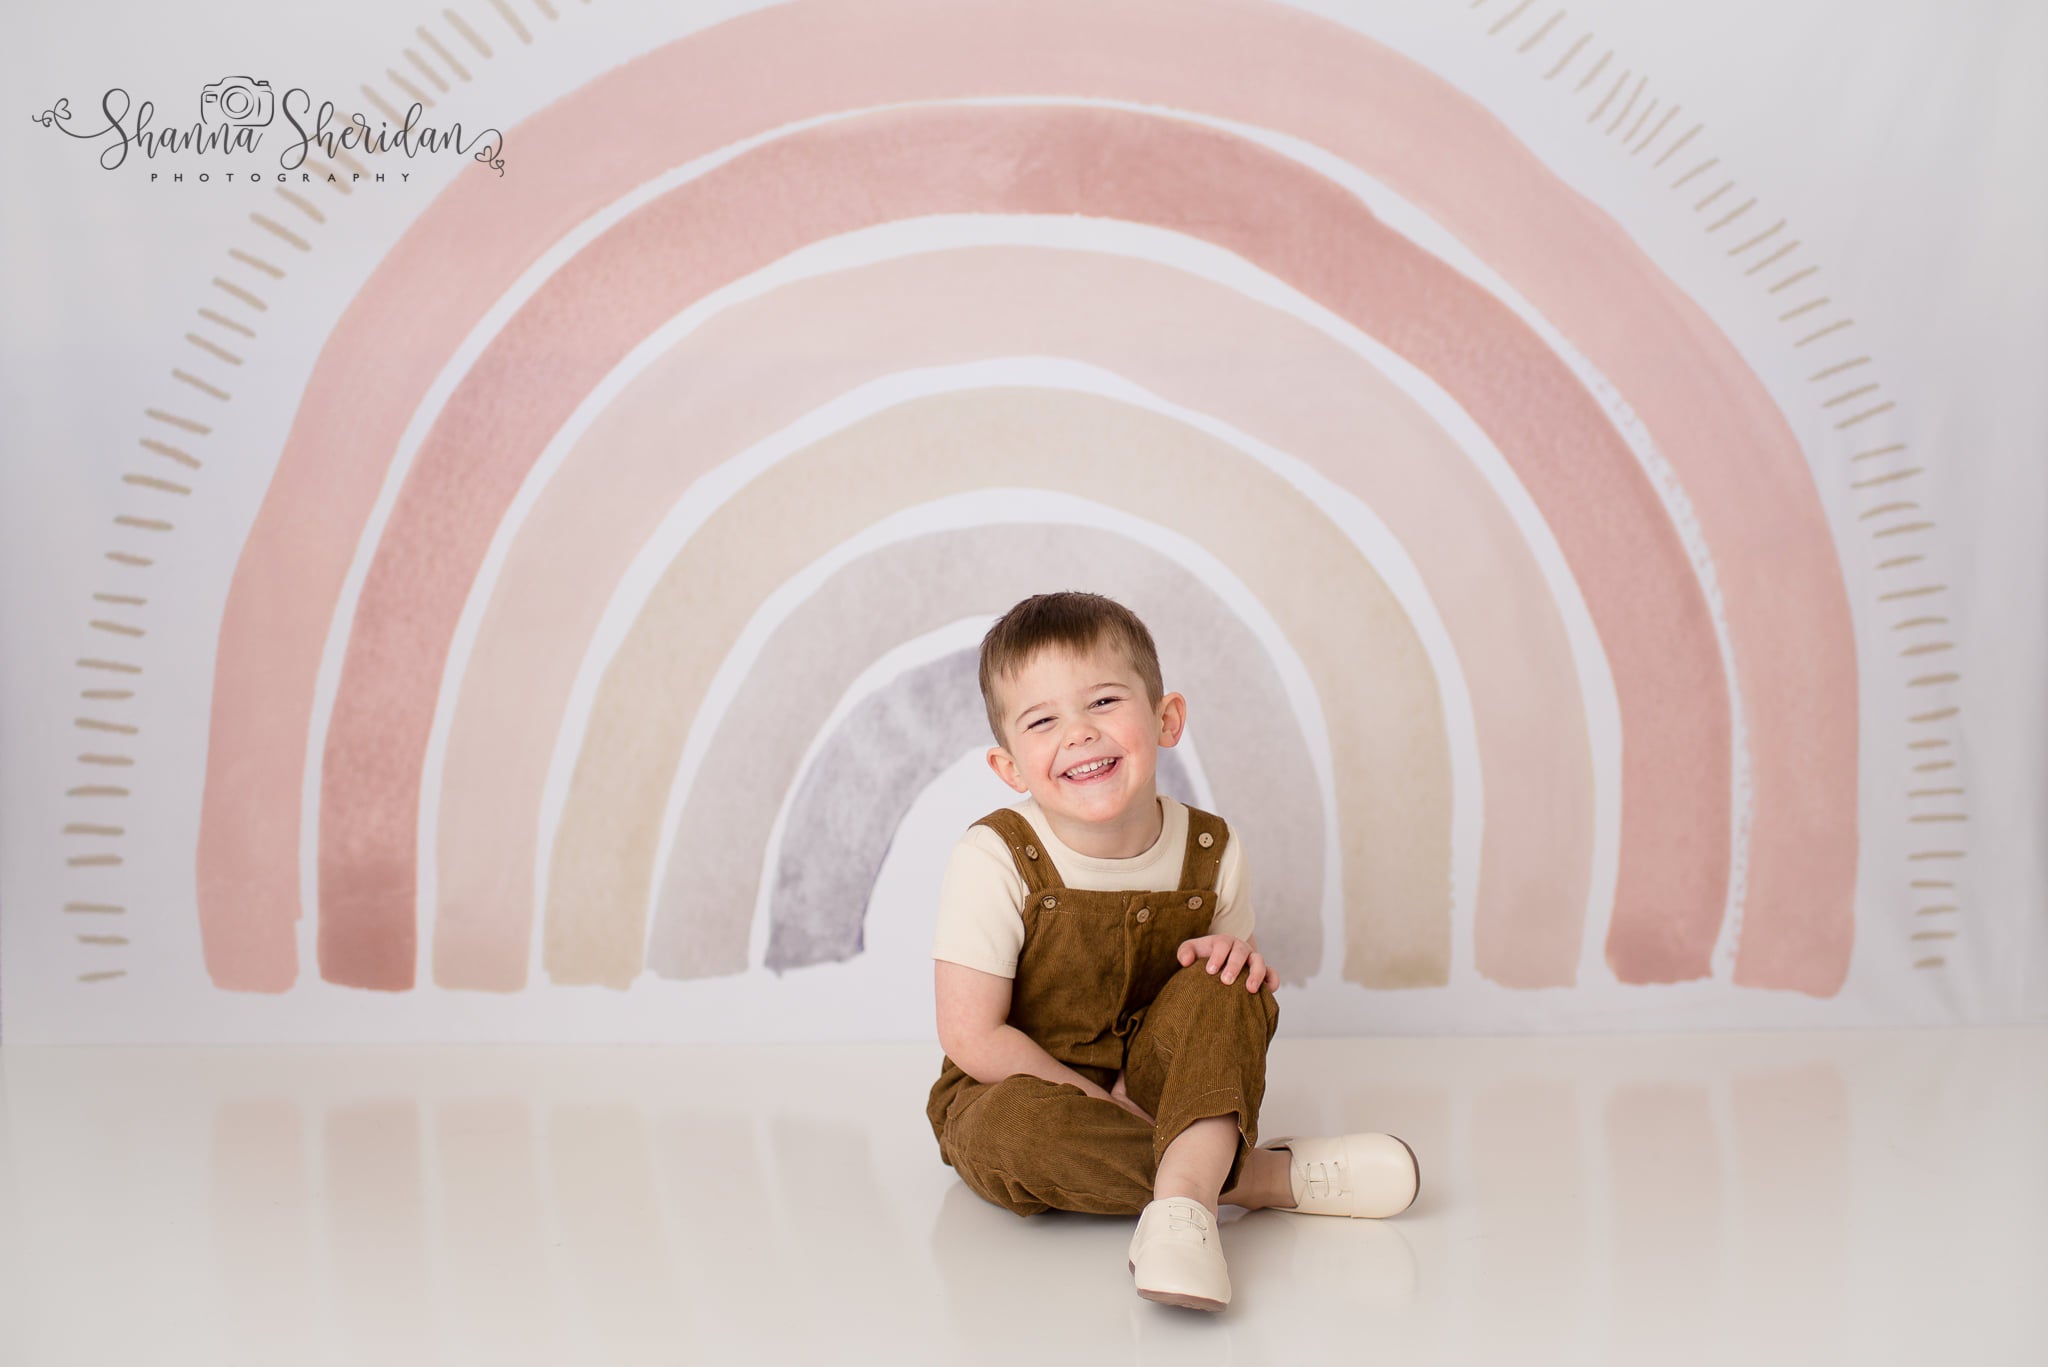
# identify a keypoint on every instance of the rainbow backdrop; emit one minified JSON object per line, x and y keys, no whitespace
{"x":859,"y":384}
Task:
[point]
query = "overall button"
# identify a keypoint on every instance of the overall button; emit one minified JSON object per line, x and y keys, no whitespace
{"x":1031,"y":851}
{"x":1049,"y":903}
{"x":1144,"y":915}
{"x":1205,"y":840}
{"x":1194,"y":903}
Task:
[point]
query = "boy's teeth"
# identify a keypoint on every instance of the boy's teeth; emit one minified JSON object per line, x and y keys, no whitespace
{"x":1089,"y":768}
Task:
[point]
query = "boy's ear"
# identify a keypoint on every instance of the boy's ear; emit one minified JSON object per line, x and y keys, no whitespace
{"x":1173,"y":718}
{"x":1006,"y":768}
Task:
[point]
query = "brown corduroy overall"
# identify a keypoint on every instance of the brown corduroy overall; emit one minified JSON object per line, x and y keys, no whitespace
{"x":1099,"y":988}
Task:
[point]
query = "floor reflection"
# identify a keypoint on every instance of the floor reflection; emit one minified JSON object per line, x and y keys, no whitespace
{"x":1837,"y":1196}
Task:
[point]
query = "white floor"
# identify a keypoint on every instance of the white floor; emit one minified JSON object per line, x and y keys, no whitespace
{"x":1826,"y":1197}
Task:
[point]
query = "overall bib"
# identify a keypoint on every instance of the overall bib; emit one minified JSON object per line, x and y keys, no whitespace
{"x":1099,"y":988}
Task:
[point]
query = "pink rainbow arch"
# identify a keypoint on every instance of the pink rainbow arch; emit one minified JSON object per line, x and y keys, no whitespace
{"x":1786,"y":611}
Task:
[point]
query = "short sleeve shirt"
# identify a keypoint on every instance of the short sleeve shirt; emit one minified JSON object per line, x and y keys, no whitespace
{"x":981,"y":920}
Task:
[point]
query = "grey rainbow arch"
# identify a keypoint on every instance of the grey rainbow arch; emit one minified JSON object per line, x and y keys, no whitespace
{"x":847,"y":807}
{"x":1255,"y":749}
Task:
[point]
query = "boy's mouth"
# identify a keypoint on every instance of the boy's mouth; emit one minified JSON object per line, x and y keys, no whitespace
{"x":1094,"y":771}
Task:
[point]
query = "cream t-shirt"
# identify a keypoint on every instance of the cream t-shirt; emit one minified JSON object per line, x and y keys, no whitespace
{"x":981,"y":901}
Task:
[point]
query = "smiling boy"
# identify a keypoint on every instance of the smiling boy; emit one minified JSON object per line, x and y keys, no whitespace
{"x":1101,"y":1000}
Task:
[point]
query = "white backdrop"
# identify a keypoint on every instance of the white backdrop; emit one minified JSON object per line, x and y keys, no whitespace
{"x":1895,"y":143}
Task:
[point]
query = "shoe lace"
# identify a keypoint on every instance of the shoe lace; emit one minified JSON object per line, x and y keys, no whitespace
{"x":1186,"y":1215}
{"x":1320,"y":1179}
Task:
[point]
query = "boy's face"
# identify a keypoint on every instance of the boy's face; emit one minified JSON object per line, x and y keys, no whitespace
{"x":1063,"y":712}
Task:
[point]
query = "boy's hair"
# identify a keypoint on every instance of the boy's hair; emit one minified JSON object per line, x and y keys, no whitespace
{"x":1078,"y":622}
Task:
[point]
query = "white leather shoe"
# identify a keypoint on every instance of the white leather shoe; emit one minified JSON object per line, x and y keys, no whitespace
{"x":1177,"y":1255}
{"x":1366,"y":1176}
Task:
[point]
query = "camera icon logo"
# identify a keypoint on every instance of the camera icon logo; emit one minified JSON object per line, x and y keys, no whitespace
{"x":236,"y":101}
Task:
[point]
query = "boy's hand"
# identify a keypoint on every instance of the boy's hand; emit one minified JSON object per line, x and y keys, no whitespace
{"x":1228,"y":953}
{"x":1123,"y":1099}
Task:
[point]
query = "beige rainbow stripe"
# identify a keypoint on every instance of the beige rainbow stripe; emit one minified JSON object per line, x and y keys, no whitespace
{"x":1252,"y":744}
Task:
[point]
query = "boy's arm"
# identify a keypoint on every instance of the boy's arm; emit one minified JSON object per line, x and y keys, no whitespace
{"x":974,"y":1009}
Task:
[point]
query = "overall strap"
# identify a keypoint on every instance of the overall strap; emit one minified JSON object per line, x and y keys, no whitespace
{"x":1207,"y":835}
{"x":1032,"y":861}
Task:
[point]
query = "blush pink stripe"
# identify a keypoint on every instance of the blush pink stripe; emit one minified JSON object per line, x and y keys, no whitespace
{"x":882,"y":167}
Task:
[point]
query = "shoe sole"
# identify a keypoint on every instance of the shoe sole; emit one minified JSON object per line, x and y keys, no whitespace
{"x":1417,"y":1165}
{"x":1179,"y":1298}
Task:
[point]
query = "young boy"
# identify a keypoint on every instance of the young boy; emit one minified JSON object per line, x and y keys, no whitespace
{"x":1103,"y":1005}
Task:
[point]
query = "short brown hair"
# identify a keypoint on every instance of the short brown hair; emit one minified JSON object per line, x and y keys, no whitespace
{"x":1078,"y":622}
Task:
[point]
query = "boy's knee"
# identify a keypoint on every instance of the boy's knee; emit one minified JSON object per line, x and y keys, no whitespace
{"x":1008,"y":1114}
{"x":1196,"y":978}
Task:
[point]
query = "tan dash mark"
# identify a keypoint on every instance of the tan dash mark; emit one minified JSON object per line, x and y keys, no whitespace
{"x":461,"y":71}
{"x":1608,"y":98}
{"x":1669,"y":115}
{"x":1676,"y":145}
{"x":190,"y":462}
{"x":419,"y":64}
{"x":244,"y":295}
{"x":1590,"y":76}
{"x":1566,"y":60}
{"x":272,"y":226}
{"x":1733,"y":214}
{"x":455,"y":21}
{"x":1782,"y":251}
{"x":412,"y":92}
{"x":1768,"y":232}
{"x":1831,"y":327}
{"x":1641,"y":119}
{"x":103,"y":975}
{"x":1867,"y":413}
{"x":230,"y":324}
{"x":512,"y":20}
{"x":275,"y":272}
{"x":174,"y":420}
{"x":201,"y":385}
{"x":1793,"y":279}
{"x":1540,"y":34}
{"x":1837,"y":369}
{"x":218,"y":350}
{"x":302,"y":204}
{"x":1498,"y":24}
